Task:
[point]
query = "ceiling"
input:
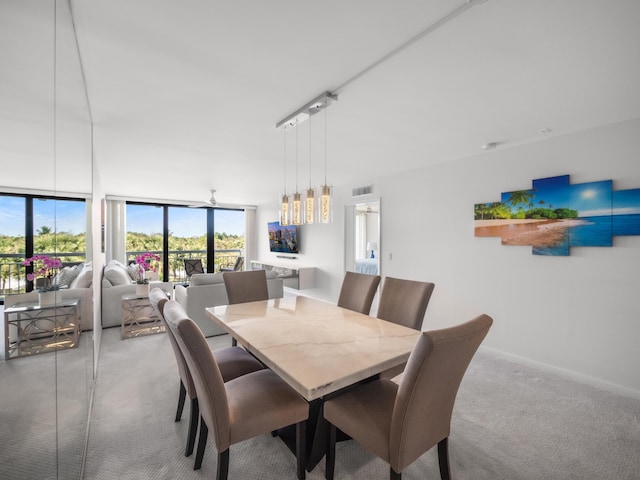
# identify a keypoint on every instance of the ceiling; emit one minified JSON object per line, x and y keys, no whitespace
{"x":185,"y":95}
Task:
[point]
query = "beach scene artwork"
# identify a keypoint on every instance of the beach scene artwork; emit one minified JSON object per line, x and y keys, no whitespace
{"x":555,"y":215}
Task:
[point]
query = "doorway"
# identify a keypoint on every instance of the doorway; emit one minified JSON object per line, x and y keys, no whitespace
{"x":362,"y":237}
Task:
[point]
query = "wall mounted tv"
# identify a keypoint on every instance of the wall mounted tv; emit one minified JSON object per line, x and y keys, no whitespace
{"x":283,"y":239}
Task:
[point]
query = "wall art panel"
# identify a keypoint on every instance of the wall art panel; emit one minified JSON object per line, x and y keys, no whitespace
{"x":555,"y":215}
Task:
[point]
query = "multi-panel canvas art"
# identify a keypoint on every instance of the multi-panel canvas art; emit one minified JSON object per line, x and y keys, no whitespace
{"x":555,"y":215}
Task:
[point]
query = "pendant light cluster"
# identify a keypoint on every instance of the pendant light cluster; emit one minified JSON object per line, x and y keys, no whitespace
{"x":294,"y":209}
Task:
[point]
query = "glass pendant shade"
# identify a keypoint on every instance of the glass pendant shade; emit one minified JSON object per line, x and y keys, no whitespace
{"x":296,"y":211}
{"x":325,"y":204}
{"x":284,"y":210}
{"x":309,"y":207}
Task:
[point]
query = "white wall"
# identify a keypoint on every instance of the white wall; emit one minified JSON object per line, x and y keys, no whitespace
{"x":579,"y":314}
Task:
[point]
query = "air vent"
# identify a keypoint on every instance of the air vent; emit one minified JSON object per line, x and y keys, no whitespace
{"x":360,"y":191}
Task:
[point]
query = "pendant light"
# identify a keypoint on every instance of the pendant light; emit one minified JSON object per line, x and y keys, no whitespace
{"x":309,"y":202}
{"x":296,"y":211}
{"x":306,"y":212}
{"x":284,"y":199}
{"x":326,"y":214}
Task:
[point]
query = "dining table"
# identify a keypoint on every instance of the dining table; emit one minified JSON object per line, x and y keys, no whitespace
{"x":317,"y":347}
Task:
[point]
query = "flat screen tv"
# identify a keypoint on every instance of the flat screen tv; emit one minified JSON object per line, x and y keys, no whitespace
{"x":283,"y":239}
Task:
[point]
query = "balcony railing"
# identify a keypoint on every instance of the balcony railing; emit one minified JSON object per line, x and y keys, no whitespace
{"x":222,"y":259}
{"x":13,"y":275}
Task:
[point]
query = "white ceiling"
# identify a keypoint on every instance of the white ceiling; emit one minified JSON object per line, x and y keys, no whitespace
{"x":185,"y":95}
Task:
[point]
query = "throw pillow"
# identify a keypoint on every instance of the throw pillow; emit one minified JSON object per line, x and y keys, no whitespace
{"x":67,"y":275}
{"x":84,"y":278}
{"x":134,"y":271}
{"x":117,"y":275}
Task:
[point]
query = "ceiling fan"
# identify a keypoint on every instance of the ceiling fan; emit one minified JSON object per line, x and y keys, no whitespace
{"x":212,"y":202}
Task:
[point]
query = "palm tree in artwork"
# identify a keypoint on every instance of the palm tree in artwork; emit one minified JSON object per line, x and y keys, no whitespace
{"x":520,"y":197}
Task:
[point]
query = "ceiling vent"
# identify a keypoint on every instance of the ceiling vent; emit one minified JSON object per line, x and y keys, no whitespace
{"x":360,"y":191}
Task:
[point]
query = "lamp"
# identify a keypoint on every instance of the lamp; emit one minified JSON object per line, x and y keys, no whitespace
{"x":296,"y":210}
{"x":284,"y":199}
{"x":309,"y":206}
{"x":309,"y":201}
{"x":326,"y":213}
{"x":372,"y":246}
{"x":308,"y":215}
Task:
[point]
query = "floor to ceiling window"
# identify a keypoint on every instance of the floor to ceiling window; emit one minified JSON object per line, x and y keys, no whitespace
{"x":216,"y":237}
{"x":31,"y":225}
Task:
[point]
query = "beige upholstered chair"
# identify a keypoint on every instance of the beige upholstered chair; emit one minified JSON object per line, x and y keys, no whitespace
{"x":253,"y":404}
{"x":232,"y":361}
{"x":246,"y":286}
{"x":404,"y":301}
{"x":357,"y":291}
{"x":400,"y":423}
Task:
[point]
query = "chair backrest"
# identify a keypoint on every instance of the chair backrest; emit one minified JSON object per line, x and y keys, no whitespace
{"x":212,"y":396}
{"x":246,"y":286}
{"x":158,"y":299}
{"x":239,"y":264}
{"x":404,"y":301}
{"x":424,"y":402}
{"x":193,"y":265}
{"x":357,"y":291}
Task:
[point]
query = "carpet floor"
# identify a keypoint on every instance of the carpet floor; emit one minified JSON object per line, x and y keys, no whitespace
{"x":511,"y":422}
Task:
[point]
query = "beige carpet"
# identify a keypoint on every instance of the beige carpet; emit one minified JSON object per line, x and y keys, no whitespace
{"x":511,"y":422}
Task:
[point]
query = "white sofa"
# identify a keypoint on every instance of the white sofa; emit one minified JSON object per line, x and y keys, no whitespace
{"x":76,"y":282}
{"x":208,"y":290}
{"x":117,"y":282}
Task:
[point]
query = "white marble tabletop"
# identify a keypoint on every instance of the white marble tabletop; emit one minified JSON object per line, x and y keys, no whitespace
{"x":315,"y":346}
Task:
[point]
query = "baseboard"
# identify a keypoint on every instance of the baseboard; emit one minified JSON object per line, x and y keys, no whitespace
{"x":578,"y":377}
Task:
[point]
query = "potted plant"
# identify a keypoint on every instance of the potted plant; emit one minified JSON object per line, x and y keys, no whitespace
{"x":43,"y":266}
{"x":144,"y":262}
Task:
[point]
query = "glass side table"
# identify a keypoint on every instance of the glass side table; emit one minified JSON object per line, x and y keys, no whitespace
{"x":139,"y":317}
{"x":31,"y":328}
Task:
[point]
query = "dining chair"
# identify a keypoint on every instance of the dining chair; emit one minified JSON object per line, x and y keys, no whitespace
{"x":233,"y":362}
{"x":399,"y":423}
{"x":257,"y":403}
{"x":245,"y":286}
{"x":357,"y":291}
{"x":404,"y":301}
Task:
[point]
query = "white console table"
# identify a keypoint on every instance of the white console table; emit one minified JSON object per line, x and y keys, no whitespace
{"x":293,"y":275}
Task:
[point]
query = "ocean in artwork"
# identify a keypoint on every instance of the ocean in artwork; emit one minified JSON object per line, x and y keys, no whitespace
{"x":592,"y":232}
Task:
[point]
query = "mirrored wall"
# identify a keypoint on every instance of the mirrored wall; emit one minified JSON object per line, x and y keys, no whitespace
{"x":46,"y":153}
{"x":362,"y":237}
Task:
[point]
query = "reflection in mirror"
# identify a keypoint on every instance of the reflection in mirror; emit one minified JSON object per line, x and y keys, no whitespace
{"x":46,"y":158}
{"x":363,"y":237}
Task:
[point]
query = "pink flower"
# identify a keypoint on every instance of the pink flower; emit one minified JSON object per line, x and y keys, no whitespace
{"x":144,"y":261}
{"x":43,"y":265}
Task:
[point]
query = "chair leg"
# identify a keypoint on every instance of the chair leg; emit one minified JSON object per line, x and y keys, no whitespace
{"x":443,"y":459}
{"x":202,"y":443}
{"x":301,"y":449}
{"x":194,"y":415}
{"x":330,"y":457}
{"x":393,"y":475}
{"x":223,"y":465}
{"x":181,"y":397}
